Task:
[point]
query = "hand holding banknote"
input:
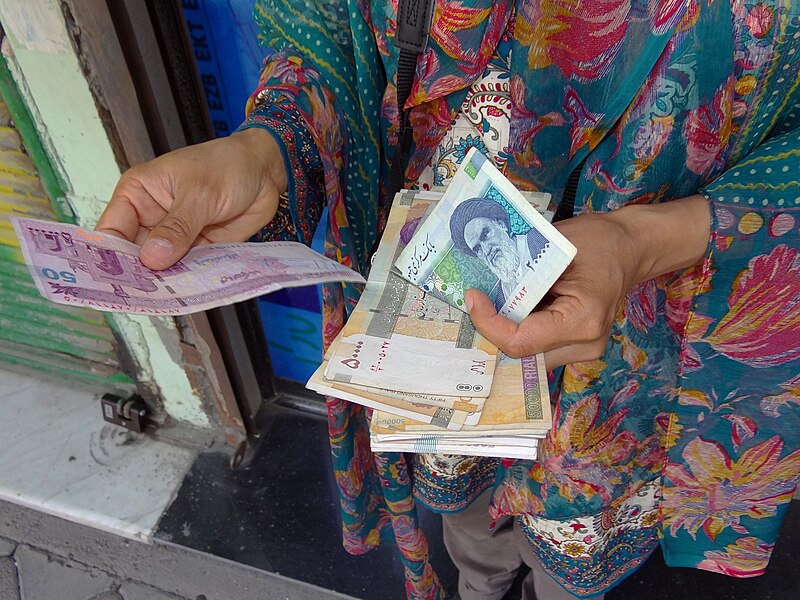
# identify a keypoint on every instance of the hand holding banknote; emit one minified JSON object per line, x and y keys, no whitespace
{"x":485,"y":235}
{"x":224,"y":190}
{"x":615,"y":251}
{"x":73,"y":266}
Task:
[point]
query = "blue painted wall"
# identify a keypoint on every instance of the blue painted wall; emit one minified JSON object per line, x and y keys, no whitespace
{"x":224,"y":40}
{"x":292,"y":321}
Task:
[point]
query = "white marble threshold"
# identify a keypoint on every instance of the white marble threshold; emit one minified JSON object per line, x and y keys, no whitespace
{"x":58,"y":456}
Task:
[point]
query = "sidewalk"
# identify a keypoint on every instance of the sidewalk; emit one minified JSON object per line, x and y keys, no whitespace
{"x":46,"y":558}
{"x":89,"y":510}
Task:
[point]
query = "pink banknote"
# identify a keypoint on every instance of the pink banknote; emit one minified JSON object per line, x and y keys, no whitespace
{"x":75,"y":266}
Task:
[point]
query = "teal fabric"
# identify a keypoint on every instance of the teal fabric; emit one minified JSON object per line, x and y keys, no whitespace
{"x":697,"y":394}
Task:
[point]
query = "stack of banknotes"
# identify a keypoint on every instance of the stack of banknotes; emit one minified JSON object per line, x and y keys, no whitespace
{"x":410,"y":352}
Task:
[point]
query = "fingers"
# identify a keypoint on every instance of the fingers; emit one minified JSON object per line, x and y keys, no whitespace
{"x":119,"y":219}
{"x":548,"y":331}
{"x":564,"y":355}
{"x":172,"y":237}
{"x":176,"y":201}
{"x":538,"y":332}
{"x":495,"y":328}
{"x":137,"y":215}
{"x":133,"y":209}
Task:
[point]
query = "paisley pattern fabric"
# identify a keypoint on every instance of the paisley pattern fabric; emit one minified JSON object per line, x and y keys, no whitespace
{"x":280,"y":117}
{"x":687,"y":429}
{"x":482,"y":122}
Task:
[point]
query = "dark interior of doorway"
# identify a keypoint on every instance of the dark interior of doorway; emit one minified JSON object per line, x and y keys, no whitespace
{"x":280,"y":513}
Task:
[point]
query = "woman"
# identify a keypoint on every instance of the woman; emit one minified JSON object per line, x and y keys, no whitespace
{"x":677,"y":325}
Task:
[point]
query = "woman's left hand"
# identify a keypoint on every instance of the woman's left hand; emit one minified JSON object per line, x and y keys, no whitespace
{"x":615,"y":251}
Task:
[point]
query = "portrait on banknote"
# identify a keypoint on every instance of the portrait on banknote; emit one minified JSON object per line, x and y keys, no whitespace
{"x":485,"y":235}
{"x":495,"y":234}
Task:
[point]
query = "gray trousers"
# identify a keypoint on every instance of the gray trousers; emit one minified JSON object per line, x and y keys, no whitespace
{"x":488,"y":561}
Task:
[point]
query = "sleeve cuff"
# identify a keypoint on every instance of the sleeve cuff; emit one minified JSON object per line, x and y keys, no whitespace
{"x":300,"y":208}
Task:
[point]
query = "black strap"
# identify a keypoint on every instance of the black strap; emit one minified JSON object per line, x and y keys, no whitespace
{"x":411,"y":37}
{"x":406,"y":67}
{"x":567,"y":205}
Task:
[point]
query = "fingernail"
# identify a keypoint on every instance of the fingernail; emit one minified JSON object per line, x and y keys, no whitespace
{"x":158,"y":250}
{"x":468,"y":302}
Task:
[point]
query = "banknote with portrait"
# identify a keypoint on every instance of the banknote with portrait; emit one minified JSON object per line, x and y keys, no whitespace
{"x":483,"y":234}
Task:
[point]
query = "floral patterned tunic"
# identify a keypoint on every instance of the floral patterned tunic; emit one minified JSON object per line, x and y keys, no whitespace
{"x":687,"y":430}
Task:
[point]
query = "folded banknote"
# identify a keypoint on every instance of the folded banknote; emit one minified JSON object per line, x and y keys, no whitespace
{"x":439,"y":416}
{"x":472,"y":406}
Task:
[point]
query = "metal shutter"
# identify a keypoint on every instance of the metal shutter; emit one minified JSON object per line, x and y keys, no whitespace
{"x":36,"y":335}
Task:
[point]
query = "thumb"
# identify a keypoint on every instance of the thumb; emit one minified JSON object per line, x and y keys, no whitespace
{"x":498,"y":329}
{"x":171,"y":238}
{"x":540,"y":331}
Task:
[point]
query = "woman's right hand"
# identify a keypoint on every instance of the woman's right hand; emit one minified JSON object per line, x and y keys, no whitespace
{"x":224,"y":190}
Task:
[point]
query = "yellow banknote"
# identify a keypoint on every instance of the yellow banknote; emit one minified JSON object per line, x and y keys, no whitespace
{"x":403,"y":339}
